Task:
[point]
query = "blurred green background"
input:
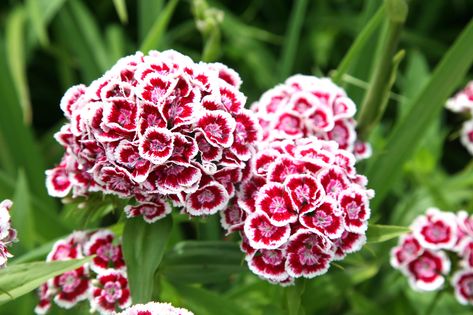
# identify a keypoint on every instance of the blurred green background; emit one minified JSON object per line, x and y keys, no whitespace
{"x":48,"y":45}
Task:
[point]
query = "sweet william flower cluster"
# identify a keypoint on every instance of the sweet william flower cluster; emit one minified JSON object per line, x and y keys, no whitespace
{"x":157,"y":127}
{"x":425,"y":254}
{"x":302,"y":207}
{"x":102,"y":282}
{"x":462,"y":102}
{"x":309,"y":106}
{"x":7,"y":233}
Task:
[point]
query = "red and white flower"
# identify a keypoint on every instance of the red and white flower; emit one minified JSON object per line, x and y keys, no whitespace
{"x":154,"y":308}
{"x":408,"y":249}
{"x":426,"y":272}
{"x":305,"y":106}
{"x":7,"y":233}
{"x":302,"y":203}
{"x":462,"y":102}
{"x":110,"y":292}
{"x":462,"y":282}
{"x":436,"y":230}
{"x":107,"y":254}
{"x":71,"y":287}
{"x":150,"y":128}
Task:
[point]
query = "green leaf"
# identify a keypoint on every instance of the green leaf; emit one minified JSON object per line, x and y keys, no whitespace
{"x":22,"y":216}
{"x":120,"y":6}
{"x":38,"y":21}
{"x":360,"y":42}
{"x":15,"y":35}
{"x":202,"y":262}
{"x":20,"y":279}
{"x":155,"y":34}
{"x":408,"y":133}
{"x":147,"y":13}
{"x":381,"y":233}
{"x":204,"y":302}
{"x":143,"y":248}
{"x":292,"y":38}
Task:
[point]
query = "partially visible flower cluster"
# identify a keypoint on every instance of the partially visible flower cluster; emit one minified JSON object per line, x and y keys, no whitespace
{"x":462,"y":102}
{"x":7,"y":233}
{"x":302,"y":206}
{"x":423,"y":254}
{"x":308,"y":106}
{"x":103,"y":281}
{"x":157,"y":127}
{"x":154,"y":308}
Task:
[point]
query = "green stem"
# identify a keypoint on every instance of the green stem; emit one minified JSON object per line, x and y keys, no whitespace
{"x":358,"y":45}
{"x":292,"y":38}
{"x":430,"y":309}
{"x":373,"y":102}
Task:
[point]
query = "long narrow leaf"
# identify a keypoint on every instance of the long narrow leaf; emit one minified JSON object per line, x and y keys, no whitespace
{"x":407,"y":134}
{"x":38,"y":21}
{"x":143,"y":248}
{"x":20,"y":279}
{"x":22,"y":216}
{"x":120,"y":6}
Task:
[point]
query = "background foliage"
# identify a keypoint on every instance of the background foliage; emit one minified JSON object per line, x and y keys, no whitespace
{"x":48,"y":45}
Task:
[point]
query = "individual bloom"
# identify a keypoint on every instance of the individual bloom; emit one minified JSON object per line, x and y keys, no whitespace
{"x":263,"y":159}
{"x":115,"y":180}
{"x":110,"y":292}
{"x":208,"y":152}
{"x":185,"y":149}
{"x":326,"y":218}
{"x":5,"y":218}
{"x":207,"y":200}
{"x":348,"y":243}
{"x":155,"y":88}
{"x":273,"y":200}
{"x":157,"y":145}
{"x":64,"y":249}
{"x":226,"y":74}
{"x":248,"y":192}
{"x":362,"y":150}
{"x":303,"y":103}
{"x":343,"y":107}
{"x":262,"y":234}
{"x":232,"y":217}
{"x":128,"y":155}
{"x":462,"y":282}
{"x":308,"y":255}
{"x":408,"y":249}
{"x":343,"y":133}
{"x":171,"y":178}
{"x":247,"y":132}
{"x":71,"y":97}
{"x":467,"y":135}
{"x":355,"y":207}
{"x":436,"y":230}
{"x":269,"y":264}
{"x":333,"y":180}
{"x":45,"y":297}
{"x":151,"y":211}
{"x":107,"y":254}
{"x":181,"y":111}
{"x":232,"y":99}
{"x":154,"y":308}
{"x":217,"y":127}
{"x":288,"y":126}
{"x":58,"y":182}
{"x":320,"y":120}
{"x":227,"y":177}
{"x":284,"y":166}
{"x":149,"y":115}
{"x":71,"y":287}
{"x":463,"y":100}
{"x":425,"y":273}
{"x":120,"y":115}
{"x":305,"y":192}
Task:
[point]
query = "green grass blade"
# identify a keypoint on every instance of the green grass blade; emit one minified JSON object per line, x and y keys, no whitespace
{"x":154,"y":36}
{"x":425,"y":108}
{"x":148,"y":11}
{"x":15,"y":35}
{"x":120,"y":7}
{"x":381,"y":233}
{"x":357,"y":46}
{"x":22,"y":214}
{"x":38,"y":21}
{"x":292,"y":38}
{"x":17,"y":280}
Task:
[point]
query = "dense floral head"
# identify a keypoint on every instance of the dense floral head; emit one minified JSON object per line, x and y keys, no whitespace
{"x":91,"y":281}
{"x":302,"y":206}
{"x":308,"y":106}
{"x":154,"y":308}
{"x":462,"y":102}
{"x":157,"y":127}
{"x":7,"y":233}
{"x":423,"y":253}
